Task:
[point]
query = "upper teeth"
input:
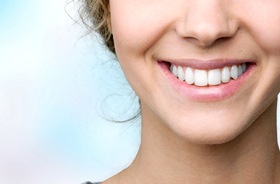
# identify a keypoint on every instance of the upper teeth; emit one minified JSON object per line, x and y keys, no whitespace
{"x":208,"y":77}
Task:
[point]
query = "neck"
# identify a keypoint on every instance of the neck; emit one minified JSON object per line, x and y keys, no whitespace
{"x":251,"y":158}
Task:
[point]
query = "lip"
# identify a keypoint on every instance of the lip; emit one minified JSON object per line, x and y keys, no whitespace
{"x":206,"y":93}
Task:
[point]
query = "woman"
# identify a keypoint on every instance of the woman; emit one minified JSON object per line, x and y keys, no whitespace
{"x":207,"y":73}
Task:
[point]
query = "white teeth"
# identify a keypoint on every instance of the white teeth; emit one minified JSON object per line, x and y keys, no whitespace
{"x":225,"y":75}
{"x":171,"y":68}
{"x":234,"y":72}
{"x":200,"y":77}
{"x":189,"y":78}
{"x":240,"y":70}
{"x":181,"y":73}
{"x":174,"y":70}
{"x":214,"y":77}
{"x":243,"y":67}
{"x":208,"y":77}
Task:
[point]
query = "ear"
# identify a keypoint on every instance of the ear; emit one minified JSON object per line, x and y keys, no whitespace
{"x":108,"y":18}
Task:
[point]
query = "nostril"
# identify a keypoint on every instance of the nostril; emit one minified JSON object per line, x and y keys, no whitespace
{"x":221,"y":40}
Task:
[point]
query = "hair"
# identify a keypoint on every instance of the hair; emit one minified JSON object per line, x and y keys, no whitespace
{"x":94,"y":14}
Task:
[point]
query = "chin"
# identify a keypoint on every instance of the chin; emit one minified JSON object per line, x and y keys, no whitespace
{"x":207,"y":132}
{"x":214,"y":139}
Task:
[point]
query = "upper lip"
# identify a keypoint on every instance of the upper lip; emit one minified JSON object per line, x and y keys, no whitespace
{"x":206,"y":64}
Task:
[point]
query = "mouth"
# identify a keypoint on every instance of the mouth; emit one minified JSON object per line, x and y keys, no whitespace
{"x":207,"y":81}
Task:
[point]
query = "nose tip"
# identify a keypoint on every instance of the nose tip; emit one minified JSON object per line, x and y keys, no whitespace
{"x":205,"y":23}
{"x":205,"y":34}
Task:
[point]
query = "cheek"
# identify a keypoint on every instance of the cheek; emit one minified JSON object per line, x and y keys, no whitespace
{"x":268,"y":36}
{"x":137,"y":25}
{"x":263,"y":22}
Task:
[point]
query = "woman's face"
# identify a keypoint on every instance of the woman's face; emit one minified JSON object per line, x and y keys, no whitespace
{"x":206,"y":69}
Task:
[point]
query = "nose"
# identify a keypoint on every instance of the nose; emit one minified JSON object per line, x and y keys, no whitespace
{"x":206,"y":21}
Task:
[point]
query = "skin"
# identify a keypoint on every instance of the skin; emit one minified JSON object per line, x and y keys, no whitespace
{"x":232,"y":140}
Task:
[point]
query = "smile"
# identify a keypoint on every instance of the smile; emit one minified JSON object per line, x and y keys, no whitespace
{"x":210,"y":77}
{"x":206,"y":80}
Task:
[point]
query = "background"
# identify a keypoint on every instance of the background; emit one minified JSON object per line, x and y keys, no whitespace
{"x":56,"y":85}
{"x":52,"y":129}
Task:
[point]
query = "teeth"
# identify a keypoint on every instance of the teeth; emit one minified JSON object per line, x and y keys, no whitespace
{"x":234,"y":72}
{"x":208,"y":77}
{"x":225,"y":75}
{"x":240,"y":70}
{"x":214,"y":77}
{"x":200,"y":77}
{"x":189,"y":78}
{"x":174,"y":70}
{"x":243,"y":67}
{"x":181,"y":73}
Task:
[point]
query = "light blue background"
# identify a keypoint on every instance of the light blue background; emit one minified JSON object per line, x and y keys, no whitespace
{"x":55,"y":85}
{"x":51,"y":103}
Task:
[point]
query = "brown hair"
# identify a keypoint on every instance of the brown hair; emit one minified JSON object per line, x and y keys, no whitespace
{"x":95,"y":14}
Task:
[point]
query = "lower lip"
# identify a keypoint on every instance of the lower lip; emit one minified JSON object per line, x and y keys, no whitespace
{"x":206,"y":93}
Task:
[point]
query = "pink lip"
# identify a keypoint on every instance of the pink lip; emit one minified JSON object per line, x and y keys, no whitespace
{"x":207,"y":93}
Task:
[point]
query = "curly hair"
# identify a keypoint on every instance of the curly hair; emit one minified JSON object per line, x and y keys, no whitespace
{"x":96,"y":13}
